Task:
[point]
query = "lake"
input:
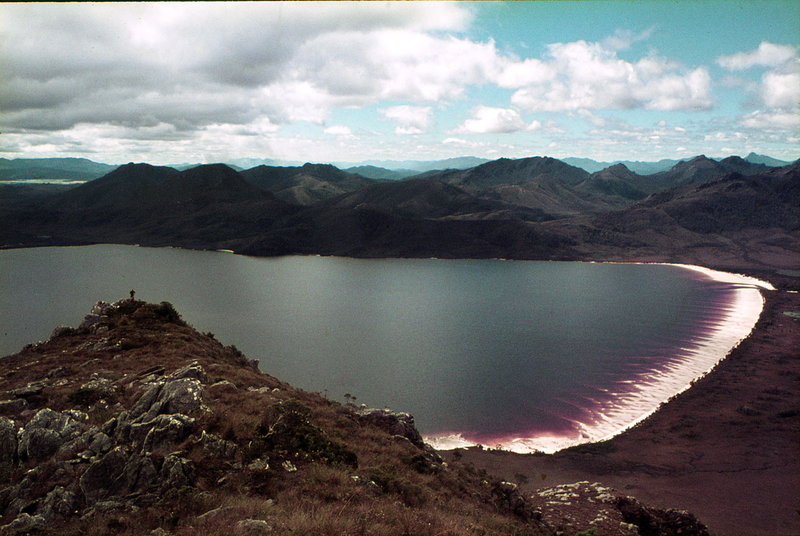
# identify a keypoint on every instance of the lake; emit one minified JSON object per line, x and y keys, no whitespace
{"x":530,"y":355}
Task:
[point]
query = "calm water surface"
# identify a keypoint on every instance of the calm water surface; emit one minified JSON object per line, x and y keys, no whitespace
{"x":481,"y":347}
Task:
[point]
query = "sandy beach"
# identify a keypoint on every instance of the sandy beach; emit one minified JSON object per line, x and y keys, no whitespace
{"x":726,"y":449}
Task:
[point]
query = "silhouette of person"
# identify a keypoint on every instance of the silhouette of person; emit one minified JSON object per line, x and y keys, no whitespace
{"x":133,"y":293}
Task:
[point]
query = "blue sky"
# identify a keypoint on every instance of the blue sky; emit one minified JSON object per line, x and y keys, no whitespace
{"x":340,"y":81}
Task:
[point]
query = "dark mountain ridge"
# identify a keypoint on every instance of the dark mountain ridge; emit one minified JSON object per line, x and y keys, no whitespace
{"x":304,"y":185}
{"x":428,"y":199}
{"x":140,"y":203}
{"x":735,"y":221}
{"x":735,"y":202}
{"x":541,"y":183}
{"x":616,"y":180}
{"x":507,"y":171}
{"x":533,"y":208}
{"x":700,"y":169}
{"x":134,"y":187}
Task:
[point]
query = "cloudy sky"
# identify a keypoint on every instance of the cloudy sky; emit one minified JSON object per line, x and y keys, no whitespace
{"x":339,"y":81}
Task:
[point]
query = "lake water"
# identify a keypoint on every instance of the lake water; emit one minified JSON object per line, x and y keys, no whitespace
{"x":525,"y":354}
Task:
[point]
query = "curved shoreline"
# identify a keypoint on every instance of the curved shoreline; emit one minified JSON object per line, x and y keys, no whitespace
{"x":648,"y":393}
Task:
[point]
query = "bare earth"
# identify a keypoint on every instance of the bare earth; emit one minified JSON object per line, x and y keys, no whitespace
{"x":728,"y":449}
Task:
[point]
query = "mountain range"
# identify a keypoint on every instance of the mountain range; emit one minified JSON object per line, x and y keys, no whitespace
{"x":730,"y":212}
{"x":649,"y":168}
{"x":52,"y":169}
{"x":82,"y":169}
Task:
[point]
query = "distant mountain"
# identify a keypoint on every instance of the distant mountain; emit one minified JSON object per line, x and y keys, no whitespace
{"x":755,"y":158}
{"x":461,"y":162}
{"x":247,"y":163}
{"x":375,"y":172}
{"x":698,"y":170}
{"x":616,"y":180}
{"x":649,"y":168}
{"x":506,"y":171}
{"x":52,"y":169}
{"x":304,"y":185}
{"x":540,"y":183}
{"x":587,"y":164}
{"x":641,"y":168}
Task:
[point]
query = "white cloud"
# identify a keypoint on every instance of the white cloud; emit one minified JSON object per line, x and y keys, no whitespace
{"x":772,"y":120}
{"x":250,"y":59}
{"x":339,"y":130}
{"x":778,"y":89}
{"x":201,"y":80}
{"x":781,"y":89}
{"x":766,"y":55}
{"x":591,"y":76}
{"x":455,"y":141}
{"x":410,"y":119}
{"x":623,"y":39}
{"x":526,"y":72}
{"x":489,"y":120}
{"x":593,"y":118}
{"x":691,"y":91}
{"x":419,"y":67}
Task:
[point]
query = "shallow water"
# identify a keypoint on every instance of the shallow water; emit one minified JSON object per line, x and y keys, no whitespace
{"x":483,"y":351}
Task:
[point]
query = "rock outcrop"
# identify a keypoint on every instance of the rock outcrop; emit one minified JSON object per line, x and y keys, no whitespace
{"x":585,"y":506}
{"x":394,"y":422}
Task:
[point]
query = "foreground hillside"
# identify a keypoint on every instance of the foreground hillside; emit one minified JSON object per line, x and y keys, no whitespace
{"x":135,"y":423}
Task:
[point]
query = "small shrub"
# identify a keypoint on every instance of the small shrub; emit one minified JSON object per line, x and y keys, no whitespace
{"x":86,"y":397}
{"x":166,"y":312}
{"x":116,"y":524}
{"x":63,"y":331}
{"x":389,"y":481}
{"x":602,"y":447}
{"x":423,"y":465}
{"x":286,"y":431}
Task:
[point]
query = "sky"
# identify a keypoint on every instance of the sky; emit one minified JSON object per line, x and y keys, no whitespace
{"x":350,"y":82}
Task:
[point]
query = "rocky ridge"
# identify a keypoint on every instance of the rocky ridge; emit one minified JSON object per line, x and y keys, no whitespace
{"x":135,"y":423}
